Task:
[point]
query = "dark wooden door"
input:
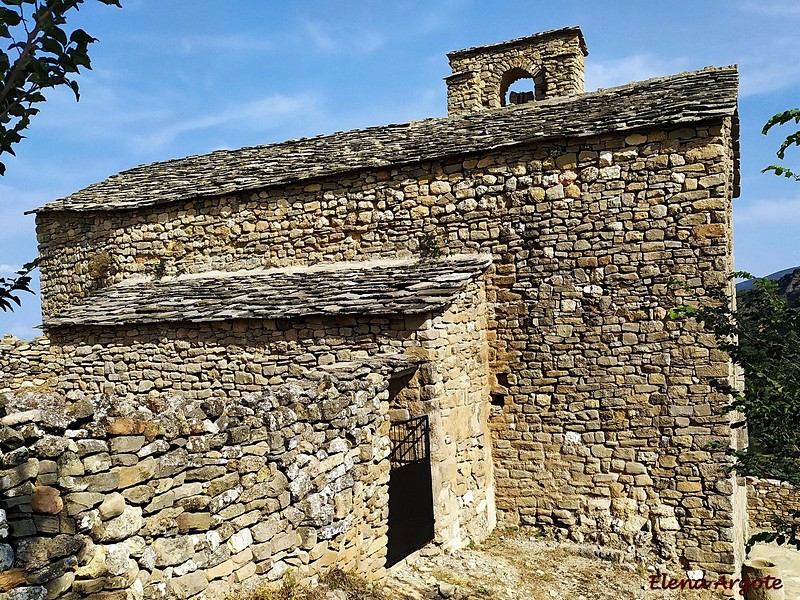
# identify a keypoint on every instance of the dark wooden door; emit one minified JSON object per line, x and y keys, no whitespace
{"x":410,"y":489}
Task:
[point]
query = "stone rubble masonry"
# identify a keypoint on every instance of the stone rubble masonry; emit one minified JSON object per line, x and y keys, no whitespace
{"x":25,"y":363}
{"x":482,"y":75}
{"x":606,"y":409}
{"x":769,"y":500}
{"x":177,"y":497}
{"x":599,"y":410}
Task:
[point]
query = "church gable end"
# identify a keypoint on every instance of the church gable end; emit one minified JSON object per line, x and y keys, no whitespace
{"x":490,"y":287}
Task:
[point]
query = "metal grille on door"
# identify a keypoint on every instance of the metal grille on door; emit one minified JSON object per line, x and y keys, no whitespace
{"x":411,"y":518}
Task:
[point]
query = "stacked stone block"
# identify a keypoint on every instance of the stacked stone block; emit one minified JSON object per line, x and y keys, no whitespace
{"x":26,"y":364}
{"x":166,"y":496}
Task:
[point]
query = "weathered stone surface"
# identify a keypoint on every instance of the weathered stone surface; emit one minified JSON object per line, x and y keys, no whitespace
{"x":266,"y":529}
{"x":240,"y":540}
{"x":36,"y":553}
{"x":27,"y":593}
{"x":6,"y":556}
{"x":46,"y":500}
{"x":52,"y":571}
{"x":387,"y":288}
{"x":189,"y":585}
{"x":121,"y":527}
{"x":173,"y":551}
{"x":194,"y":522}
{"x":118,"y":560}
{"x":136,"y":474}
{"x":58,"y":586}
{"x":93,"y":563}
{"x":126,"y":443}
{"x":112,"y":506}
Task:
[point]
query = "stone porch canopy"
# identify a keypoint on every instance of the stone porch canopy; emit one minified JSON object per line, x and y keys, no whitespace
{"x":685,"y":98}
{"x":381,"y":287}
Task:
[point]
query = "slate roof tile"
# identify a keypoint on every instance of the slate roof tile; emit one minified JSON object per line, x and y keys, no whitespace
{"x":684,"y":98}
{"x":385,"y":287}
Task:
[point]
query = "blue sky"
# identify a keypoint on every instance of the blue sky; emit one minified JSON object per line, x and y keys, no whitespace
{"x":178,"y":77}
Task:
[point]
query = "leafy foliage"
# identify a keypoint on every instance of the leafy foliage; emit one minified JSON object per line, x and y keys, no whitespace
{"x":10,"y":287}
{"x":793,"y":139}
{"x":762,"y":336}
{"x":430,"y":247}
{"x":786,"y":531}
{"x":41,"y":54}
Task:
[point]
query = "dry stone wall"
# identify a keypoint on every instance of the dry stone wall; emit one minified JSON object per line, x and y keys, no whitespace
{"x":26,"y":363}
{"x":606,"y":409}
{"x":770,"y":501}
{"x":164,"y":496}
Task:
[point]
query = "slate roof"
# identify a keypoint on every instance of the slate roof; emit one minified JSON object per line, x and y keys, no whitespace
{"x":385,"y":287}
{"x":685,"y":98}
{"x":528,"y":38}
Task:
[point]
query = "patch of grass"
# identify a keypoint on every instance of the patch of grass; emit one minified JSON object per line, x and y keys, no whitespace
{"x":449,"y":576}
{"x":356,"y":588}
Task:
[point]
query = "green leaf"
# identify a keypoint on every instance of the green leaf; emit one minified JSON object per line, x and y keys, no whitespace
{"x":9,"y":18}
{"x":781,"y":119}
{"x":79,"y":36}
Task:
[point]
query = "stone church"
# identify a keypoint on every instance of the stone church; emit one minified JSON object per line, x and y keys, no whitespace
{"x":336,"y":350}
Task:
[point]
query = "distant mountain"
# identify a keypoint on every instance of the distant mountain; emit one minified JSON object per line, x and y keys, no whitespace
{"x":788,"y":284}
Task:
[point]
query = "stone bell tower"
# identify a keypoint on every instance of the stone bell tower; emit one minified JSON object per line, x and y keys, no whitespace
{"x":552,"y":61}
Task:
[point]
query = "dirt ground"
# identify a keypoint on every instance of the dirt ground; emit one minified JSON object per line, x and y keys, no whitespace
{"x":515,"y":565}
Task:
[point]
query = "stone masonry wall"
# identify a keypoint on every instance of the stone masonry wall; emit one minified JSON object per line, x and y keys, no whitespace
{"x":26,"y":363}
{"x":167,"y":497}
{"x":769,"y":500}
{"x":230,"y":360}
{"x":452,"y":388}
{"x":606,"y":408}
{"x":481,"y":76}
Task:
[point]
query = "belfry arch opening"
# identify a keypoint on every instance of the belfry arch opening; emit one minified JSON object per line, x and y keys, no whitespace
{"x":518,"y":86}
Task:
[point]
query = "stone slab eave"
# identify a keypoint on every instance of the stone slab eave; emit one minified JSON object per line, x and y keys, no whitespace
{"x":382,"y":287}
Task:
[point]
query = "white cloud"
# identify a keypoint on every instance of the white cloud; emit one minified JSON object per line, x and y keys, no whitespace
{"x":319,"y":35}
{"x":637,"y":67}
{"x":763,"y":75}
{"x":191,"y":44}
{"x":9,"y":269}
{"x":759,"y":73}
{"x":23,"y":328}
{"x":347,"y":40}
{"x":367,"y":42}
{"x":257,"y":115}
{"x":222,"y":43}
{"x":771,"y":9}
{"x":768,"y":212}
